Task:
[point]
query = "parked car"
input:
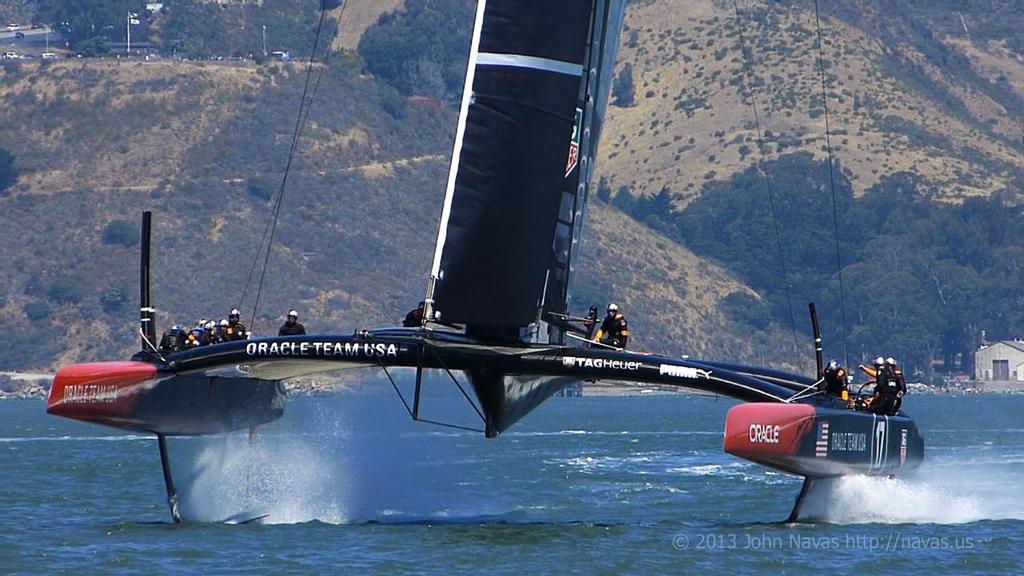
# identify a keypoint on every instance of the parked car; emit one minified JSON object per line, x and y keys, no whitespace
{"x":10,"y":56}
{"x":49,"y":55}
{"x":13,"y":27}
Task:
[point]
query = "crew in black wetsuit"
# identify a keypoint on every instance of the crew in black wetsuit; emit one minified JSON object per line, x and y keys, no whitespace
{"x":236,"y":330}
{"x":591,"y":321}
{"x":889,"y":390}
{"x":613,"y":331}
{"x":197,"y":335}
{"x":414,"y":318}
{"x":173,"y":340}
{"x":292,"y":326}
{"x":210,"y":332}
{"x":834,"y":379}
{"x":221,"y":331}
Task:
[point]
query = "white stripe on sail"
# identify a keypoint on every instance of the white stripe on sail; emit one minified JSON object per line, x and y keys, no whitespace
{"x":531,"y":62}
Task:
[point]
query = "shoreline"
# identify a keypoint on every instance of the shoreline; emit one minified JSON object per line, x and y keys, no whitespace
{"x":36,"y":385}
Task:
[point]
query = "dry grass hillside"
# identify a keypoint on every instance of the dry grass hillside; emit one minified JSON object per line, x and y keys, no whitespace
{"x":692,"y":121}
{"x":203,"y":145}
{"x":357,"y":16}
{"x":106,"y":124}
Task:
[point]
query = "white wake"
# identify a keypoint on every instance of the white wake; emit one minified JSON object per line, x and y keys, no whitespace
{"x":940,"y":493}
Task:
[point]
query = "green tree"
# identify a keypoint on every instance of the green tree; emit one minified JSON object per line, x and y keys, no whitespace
{"x":397,"y":50}
{"x":79,"y":21}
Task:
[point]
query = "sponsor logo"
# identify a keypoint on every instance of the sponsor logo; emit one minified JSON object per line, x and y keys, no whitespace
{"x":574,"y":144}
{"x":90,"y":394}
{"x":821,"y":444}
{"x":903,"y":446}
{"x":849,"y":442}
{"x":763,"y":434}
{"x":879,"y":444}
{"x":600,"y":363}
{"x":682,"y":371}
{"x":335,"y":349}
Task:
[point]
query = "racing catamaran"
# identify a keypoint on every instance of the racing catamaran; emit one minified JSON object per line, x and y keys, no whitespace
{"x":496,"y":307}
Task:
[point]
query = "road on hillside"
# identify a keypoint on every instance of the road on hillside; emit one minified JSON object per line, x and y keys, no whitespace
{"x":35,"y":39}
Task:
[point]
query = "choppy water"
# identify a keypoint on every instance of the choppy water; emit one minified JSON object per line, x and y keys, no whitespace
{"x":591,"y":485}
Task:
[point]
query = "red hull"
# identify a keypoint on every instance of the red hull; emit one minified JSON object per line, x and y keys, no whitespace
{"x":139,"y":396}
{"x":101,"y":392}
{"x":818,"y":440}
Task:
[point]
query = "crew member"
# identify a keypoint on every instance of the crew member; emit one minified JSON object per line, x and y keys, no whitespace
{"x":197,"y":335}
{"x":173,"y":340}
{"x":886,"y":399}
{"x":873,"y":372}
{"x":613,"y":330}
{"x":210,"y":332}
{"x":292,"y":326}
{"x":901,"y":383}
{"x":591,"y":321}
{"x":236,"y":330}
{"x":222,"y":330}
{"x":834,"y":379}
{"x":414,"y":318}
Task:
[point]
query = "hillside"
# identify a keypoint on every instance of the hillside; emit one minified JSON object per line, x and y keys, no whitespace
{"x":203,"y":146}
{"x":906,"y":92}
{"x":923,"y":114}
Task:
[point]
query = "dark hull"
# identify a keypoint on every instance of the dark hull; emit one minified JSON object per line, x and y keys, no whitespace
{"x":235,"y":385}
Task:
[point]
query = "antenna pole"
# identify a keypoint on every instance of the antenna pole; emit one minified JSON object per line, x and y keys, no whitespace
{"x":147,"y":314}
{"x":817,"y":341}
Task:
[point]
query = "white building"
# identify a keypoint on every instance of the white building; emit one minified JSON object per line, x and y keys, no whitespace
{"x":1000,"y":365}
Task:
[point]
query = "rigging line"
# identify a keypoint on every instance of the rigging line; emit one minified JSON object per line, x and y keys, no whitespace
{"x":832,"y":182}
{"x":397,"y":391}
{"x":424,"y":420}
{"x":454,"y":379}
{"x":300,"y":123}
{"x":763,"y":168}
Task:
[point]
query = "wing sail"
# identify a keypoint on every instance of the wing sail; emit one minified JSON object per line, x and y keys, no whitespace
{"x":528,"y":72}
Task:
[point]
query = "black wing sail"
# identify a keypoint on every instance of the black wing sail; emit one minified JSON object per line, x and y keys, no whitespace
{"x":503,"y":198}
{"x":595,"y":89}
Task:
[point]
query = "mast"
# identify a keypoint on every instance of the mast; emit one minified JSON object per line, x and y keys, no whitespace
{"x":147,"y":314}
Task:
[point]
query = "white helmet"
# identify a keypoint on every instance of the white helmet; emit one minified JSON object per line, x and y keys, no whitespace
{"x":293,"y":313}
{"x":890,"y":361}
{"x":224,"y":322}
{"x":879,"y":361}
{"x":613,"y":307}
{"x":210,"y":325}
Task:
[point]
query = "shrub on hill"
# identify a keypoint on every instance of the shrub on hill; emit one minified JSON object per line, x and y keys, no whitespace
{"x":121,"y":232}
{"x":8,"y":171}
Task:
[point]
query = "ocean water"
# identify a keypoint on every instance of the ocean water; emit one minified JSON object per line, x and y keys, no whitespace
{"x":600,"y":485}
